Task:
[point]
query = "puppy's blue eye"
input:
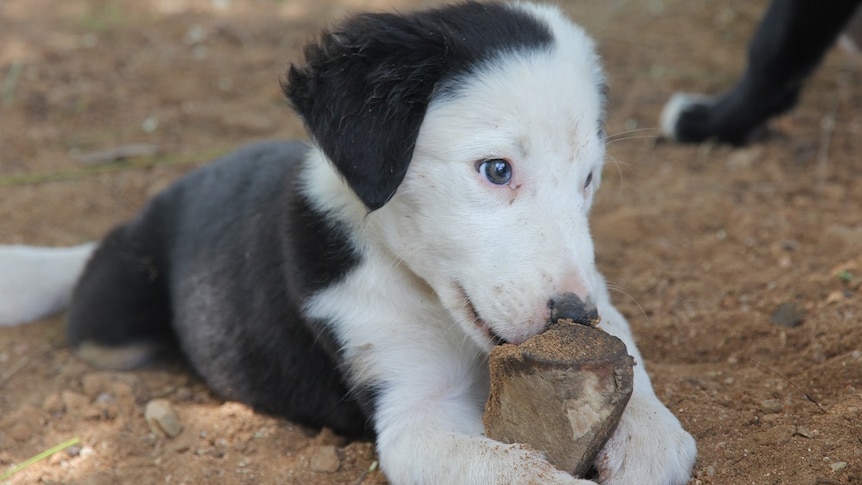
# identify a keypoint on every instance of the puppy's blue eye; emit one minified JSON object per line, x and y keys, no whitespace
{"x":497,"y":171}
{"x":589,"y":180}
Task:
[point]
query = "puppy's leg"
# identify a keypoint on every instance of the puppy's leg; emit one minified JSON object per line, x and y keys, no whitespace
{"x":789,"y":43}
{"x":428,"y":418}
{"x":120,"y":315}
{"x":649,"y":444}
{"x":431,"y":455}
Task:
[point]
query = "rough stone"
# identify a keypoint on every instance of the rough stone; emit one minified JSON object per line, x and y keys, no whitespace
{"x":788,"y":314}
{"x":561,"y":392}
{"x":162,"y":418}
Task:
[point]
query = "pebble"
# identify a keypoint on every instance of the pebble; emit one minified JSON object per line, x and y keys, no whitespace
{"x":771,"y":406}
{"x":804,"y":432}
{"x":788,"y":314}
{"x":324,"y":459}
{"x":838,"y":466}
{"x":162,"y":418}
{"x":107,"y":405}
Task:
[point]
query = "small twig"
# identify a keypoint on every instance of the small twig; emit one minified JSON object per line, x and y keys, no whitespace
{"x":41,"y":456}
{"x":773,"y":371}
{"x":85,"y":171}
{"x":827,"y":127}
{"x":744,"y":456}
{"x":133,"y":150}
{"x":365,"y":473}
{"x":14,"y":369}
{"x":827,"y":481}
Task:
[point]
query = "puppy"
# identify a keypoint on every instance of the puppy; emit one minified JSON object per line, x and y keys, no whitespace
{"x":359,"y":282}
{"x":790,"y":42}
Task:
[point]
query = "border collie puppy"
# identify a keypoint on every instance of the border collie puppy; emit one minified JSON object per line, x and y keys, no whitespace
{"x":792,"y":39}
{"x":360,"y":280}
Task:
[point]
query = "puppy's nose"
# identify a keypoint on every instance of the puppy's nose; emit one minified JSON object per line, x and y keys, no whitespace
{"x":569,"y":306}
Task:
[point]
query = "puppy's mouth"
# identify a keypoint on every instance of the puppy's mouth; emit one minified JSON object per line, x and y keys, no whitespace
{"x":480,"y":324}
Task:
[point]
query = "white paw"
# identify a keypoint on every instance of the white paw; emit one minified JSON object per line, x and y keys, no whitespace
{"x":529,"y":467}
{"x":678,"y":103}
{"x":469,"y":460}
{"x":649,"y":446}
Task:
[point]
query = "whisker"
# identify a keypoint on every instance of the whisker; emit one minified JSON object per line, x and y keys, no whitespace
{"x":636,"y":137}
{"x":618,"y":289}
{"x":628,"y":132}
{"x":618,"y":165}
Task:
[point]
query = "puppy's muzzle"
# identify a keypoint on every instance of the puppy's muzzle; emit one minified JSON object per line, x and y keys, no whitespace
{"x":569,"y":306}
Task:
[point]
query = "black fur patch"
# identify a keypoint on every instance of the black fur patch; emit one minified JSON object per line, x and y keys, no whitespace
{"x":365,"y":88}
{"x":222,"y":261}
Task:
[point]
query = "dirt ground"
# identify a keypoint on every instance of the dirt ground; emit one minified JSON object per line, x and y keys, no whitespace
{"x":705,"y":246}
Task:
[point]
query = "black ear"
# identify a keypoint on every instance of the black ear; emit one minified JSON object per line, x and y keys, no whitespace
{"x":363,"y":94}
{"x":366,"y":86}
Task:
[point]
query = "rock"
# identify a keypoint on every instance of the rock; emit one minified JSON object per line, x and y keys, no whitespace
{"x":107,"y":405}
{"x":324,"y":459}
{"x":771,"y":406}
{"x":162,"y":418}
{"x":804,"y":432}
{"x":788,"y":314}
{"x":838,"y":466}
{"x":562,"y":392}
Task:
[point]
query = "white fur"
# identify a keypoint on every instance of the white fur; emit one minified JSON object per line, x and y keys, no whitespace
{"x":678,"y":103}
{"x":851,"y":39}
{"x":37,"y":281}
{"x":449,"y":236}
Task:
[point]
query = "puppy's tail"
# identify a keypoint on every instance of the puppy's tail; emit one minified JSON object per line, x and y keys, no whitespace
{"x":38,"y":281}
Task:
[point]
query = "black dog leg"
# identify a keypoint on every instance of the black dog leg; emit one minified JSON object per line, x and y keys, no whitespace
{"x":792,"y":39}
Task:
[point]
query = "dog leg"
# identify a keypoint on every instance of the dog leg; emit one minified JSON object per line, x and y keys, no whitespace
{"x":440,"y":441}
{"x":431,"y":385}
{"x":788,"y":45}
{"x":428,"y":456}
{"x":120,"y":314}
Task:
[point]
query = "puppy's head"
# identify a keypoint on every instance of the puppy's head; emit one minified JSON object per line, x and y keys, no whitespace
{"x":482,"y":124}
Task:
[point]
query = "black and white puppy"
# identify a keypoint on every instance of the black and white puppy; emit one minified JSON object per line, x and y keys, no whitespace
{"x":789,"y":44}
{"x":360,"y":281}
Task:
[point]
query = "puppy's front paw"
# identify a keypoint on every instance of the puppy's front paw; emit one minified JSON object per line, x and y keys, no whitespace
{"x":470,"y":459}
{"x":649,"y":446}
{"x":528,"y":467}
